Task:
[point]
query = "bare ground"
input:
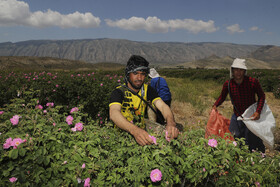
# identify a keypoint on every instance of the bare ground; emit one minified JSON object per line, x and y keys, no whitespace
{"x":191,"y":118}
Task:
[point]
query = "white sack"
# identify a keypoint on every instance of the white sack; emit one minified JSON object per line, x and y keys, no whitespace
{"x":263,"y":128}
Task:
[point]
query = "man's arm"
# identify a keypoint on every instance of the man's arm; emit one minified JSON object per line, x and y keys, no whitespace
{"x":140,"y":135}
{"x":261,"y":100}
{"x":168,"y":116}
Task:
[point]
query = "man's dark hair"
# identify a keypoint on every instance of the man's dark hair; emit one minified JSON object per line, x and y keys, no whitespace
{"x":136,"y":63}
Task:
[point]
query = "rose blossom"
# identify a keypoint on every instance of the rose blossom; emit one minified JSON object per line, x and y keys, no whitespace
{"x":8,"y":143}
{"x":75,"y":109}
{"x":16,"y":142}
{"x":156,"y":175}
{"x":212,"y":142}
{"x":69,"y":120}
{"x":154,"y":139}
{"x":14,"y":120}
{"x":50,"y":104}
{"x":87,"y":182}
{"x":84,"y":165}
{"x":13,"y":179}
{"x":39,"y":107}
{"x":166,"y":136}
{"x":79,"y":126}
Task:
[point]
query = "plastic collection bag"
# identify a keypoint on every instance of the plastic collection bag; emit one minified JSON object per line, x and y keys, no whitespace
{"x":263,"y":128}
{"x":218,"y":125}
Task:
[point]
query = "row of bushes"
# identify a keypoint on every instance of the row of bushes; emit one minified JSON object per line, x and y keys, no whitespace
{"x":44,"y":147}
{"x":93,"y":89}
{"x":68,"y":89}
{"x":269,"y":79}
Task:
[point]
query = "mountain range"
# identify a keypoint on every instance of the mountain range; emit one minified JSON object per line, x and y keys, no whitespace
{"x":93,"y":51}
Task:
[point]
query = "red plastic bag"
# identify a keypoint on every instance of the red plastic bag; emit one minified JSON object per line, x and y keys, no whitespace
{"x":218,"y":125}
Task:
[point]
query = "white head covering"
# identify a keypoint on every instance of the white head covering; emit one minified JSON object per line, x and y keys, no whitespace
{"x":153,"y":73}
{"x":238,"y":63}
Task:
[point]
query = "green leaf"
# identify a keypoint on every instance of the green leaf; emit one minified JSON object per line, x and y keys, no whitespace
{"x":46,"y":160}
{"x":5,"y":173}
{"x":13,"y":154}
{"x":40,"y":159}
{"x":109,"y":178}
{"x":22,"y":152}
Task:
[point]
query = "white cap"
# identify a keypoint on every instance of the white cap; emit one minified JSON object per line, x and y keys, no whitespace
{"x":238,"y":63}
{"x":153,"y":73}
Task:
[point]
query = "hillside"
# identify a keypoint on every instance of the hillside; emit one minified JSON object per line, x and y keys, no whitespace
{"x":48,"y":63}
{"x":215,"y":62}
{"x":118,"y":51}
{"x":269,"y":54}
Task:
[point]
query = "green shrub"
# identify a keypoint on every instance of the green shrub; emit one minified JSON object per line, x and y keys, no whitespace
{"x":53,"y":154}
{"x":68,"y":89}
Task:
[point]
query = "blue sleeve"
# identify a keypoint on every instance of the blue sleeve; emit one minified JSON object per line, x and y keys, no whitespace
{"x":153,"y":82}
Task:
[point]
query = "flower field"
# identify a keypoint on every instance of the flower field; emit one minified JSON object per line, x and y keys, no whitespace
{"x":55,"y":132}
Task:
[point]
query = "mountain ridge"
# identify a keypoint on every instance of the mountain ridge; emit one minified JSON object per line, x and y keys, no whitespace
{"x":119,"y":50}
{"x":85,"y":52}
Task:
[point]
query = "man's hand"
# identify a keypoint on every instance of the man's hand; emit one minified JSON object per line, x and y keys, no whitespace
{"x":255,"y":116}
{"x":172,"y":131}
{"x":141,"y":136}
{"x":214,"y":107}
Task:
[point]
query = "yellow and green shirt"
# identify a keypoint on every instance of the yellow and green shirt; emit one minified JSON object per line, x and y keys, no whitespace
{"x":132,"y":107}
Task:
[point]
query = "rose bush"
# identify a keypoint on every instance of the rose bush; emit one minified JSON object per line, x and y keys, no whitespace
{"x":53,"y":132}
{"x":54,"y":155}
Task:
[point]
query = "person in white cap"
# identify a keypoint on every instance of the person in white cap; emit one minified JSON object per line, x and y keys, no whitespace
{"x":160,"y":85}
{"x":242,"y":90}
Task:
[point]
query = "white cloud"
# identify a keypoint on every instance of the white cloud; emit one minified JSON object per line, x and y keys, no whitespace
{"x":155,"y":25}
{"x":13,"y":12}
{"x":234,"y":29}
{"x":255,"y":28}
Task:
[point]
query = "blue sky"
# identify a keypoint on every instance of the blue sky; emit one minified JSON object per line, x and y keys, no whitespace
{"x":230,"y":21}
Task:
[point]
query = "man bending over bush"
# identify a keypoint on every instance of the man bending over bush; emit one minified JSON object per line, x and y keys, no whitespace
{"x":128,"y":102}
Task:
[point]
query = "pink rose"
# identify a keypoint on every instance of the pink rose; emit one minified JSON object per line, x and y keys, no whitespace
{"x":84,"y":165}
{"x":39,"y":107}
{"x":166,"y":136}
{"x":154,"y":139}
{"x":13,"y":179}
{"x":15,"y":119}
{"x":155,"y":175}
{"x":75,"y":109}
{"x":8,"y":143}
{"x":79,"y":126}
{"x":87,"y":182}
{"x":50,"y":104}
{"x":16,"y":142}
{"x":1,"y":112}
{"x":212,"y":142}
{"x":69,"y":120}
